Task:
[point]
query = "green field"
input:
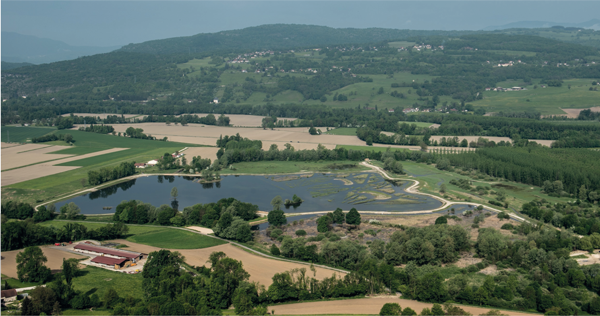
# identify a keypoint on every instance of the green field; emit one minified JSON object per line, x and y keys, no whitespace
{"x":156,"y":236}
{"x":275,"y":167}
{"x":419,"y":124}
{"x":547,"y":100}
{"x":401,"y":44}
{"x":52,"y":186}
{"x":22,"y":134}
{"x":15,"y":283}
{"x":97,"y":280}
{"x":175,"y":239}
{"x":342,"y":131}
{"x":367,"y":148}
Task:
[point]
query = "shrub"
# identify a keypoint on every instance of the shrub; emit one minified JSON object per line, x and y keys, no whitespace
{"x":276,"y":233}
{"x":275,"y":250}
{"x":507,"y":226}
{"x":441,"y":220}
{"x":300,"y":232}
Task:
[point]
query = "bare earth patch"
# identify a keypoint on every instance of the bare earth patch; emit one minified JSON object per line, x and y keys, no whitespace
{"x":55,"y":257}
{"x":203,"y":230}
{"x":23,"y":155}
{"x":246,"y":120}
{"x":261,"y":269}
{"x":346,"y":181}
{"x":204,"y":152}
{"x":364,"y":306}
{"x":574,"y":113}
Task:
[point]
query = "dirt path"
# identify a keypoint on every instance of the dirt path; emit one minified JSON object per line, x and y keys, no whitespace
{"x":366,"y":306}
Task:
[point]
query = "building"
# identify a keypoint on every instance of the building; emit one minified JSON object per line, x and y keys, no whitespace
{"x":140,"y":165}
{"x":216,"y":101}
{"x":108,"y":261}
{"x":108,"y":252}
{"x":9,"y":296}
{"x":152,"y":163}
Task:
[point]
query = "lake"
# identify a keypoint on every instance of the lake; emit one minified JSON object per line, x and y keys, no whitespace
{"x":320,"y":192}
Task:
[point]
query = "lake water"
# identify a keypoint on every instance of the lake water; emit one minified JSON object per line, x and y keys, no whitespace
{"x":320,"y":192}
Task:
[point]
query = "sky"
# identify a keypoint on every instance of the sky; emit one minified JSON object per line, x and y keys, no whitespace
{"x":116,"y":23}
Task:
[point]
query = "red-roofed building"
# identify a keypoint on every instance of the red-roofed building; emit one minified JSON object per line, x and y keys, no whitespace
{"x":9,"y":295}
{"x":109,"y":261}
{"x":108,"y":252}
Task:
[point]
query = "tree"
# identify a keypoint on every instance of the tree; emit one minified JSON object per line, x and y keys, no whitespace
{"x":390,"y":309}
{"x":583,"y":193}
{"x":441,"y":220}
{"x":277,"y":218}
{"x":338,"y":216}
{"x":408,"y":312}
{"x":111,"y":297}
{"x":275,"y":250}
{"x":30,"y":265}
{"x":174,"y":193}
{"x":70,"y":211}
{"x":323,"y":223}
{"x":437,"y":310}
{"x":68,"y":138}
{"x":276,"y":202}
{"x":69,"y":269}
{"x":42,"y":300}
{"x":443,"y":188}
{"x":353,"y":217}
{"x":312,"y":131}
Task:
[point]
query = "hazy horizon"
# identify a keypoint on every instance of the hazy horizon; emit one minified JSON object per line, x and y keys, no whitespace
{"x":103,"y":23}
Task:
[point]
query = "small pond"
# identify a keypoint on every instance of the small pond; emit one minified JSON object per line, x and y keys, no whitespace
{"x":320,"y":192}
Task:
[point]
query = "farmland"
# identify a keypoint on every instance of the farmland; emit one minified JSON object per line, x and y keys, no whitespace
{"x":21,"y":134}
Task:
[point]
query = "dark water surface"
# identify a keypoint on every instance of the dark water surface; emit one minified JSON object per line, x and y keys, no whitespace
{"x":320,"y":192}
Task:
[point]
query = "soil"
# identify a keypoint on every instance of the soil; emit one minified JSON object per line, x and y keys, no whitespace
{"x":365,"y":306}
{"x":261,"y":269}
{"x":23,"y":155}
{"x":204,"y":152}
{"x":54,"y":255}
{"x":574,"y":113}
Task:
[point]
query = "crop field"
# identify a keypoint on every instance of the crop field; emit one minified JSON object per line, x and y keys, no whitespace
{"x":54,"y":255}
{"x":342,"y":131}
{"x":261,"y":269}
{"x":27,"y":154}
{"x":41,"y":184}
{"x":365,"y":306}
{"x":419,"y":124}
{"x":547,"y":101}
{"x":22,"y":134}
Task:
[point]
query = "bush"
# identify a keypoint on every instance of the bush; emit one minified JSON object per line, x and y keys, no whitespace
{"x":441,"y":220}
{"x":508,"y":226}
{"x":300,"y":232}
{"x":334,"y":238}
{"x":276,"y":233}
{"x":275,"y":250}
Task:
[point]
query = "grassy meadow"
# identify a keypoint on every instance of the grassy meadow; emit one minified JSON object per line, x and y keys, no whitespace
{"x":275,"y":167}
{"x":93,"y":280}
{"x":156,"y":236}
{"x":350,"y":131}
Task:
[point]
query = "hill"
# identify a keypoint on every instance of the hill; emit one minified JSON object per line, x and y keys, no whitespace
{"x":18,"y":48}
{"x":8,"y":65}
{"x":591,"y":24}
{"x":277,"y":36}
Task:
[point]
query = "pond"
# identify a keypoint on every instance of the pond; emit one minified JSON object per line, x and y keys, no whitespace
{"x":320,"y":192}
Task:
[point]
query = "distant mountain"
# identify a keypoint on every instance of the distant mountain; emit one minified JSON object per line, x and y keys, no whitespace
{"x":18,"y":48}
{"x":277,"y":36}
{"x":591,"y":24}
{"x":7,"y":65}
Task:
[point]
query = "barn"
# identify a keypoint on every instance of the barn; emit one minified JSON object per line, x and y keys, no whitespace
{"x":108,"y":261}
{"x":108,"y":252}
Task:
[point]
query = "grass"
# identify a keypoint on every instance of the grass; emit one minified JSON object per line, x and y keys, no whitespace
{"x":275,"y":167}
{"x":51,"y":186}
{"x":342,"y":131}
{"x":175,"y":239}
{"x":96,"y":311}
{"x":15,"y":283}
{"x":21,"y":134}
{"x":97,"y":280}
{"x":419,"y":124}
{"x":367,"y":148}
{"x":156,"y":236}
{"x":547,"y":101}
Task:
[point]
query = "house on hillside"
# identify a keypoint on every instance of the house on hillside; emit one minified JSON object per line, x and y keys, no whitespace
{"x":140,"y":165}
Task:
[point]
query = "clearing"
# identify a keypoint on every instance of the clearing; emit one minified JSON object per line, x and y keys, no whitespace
{"x":261,"y":269}
{"x":55,"y":259}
